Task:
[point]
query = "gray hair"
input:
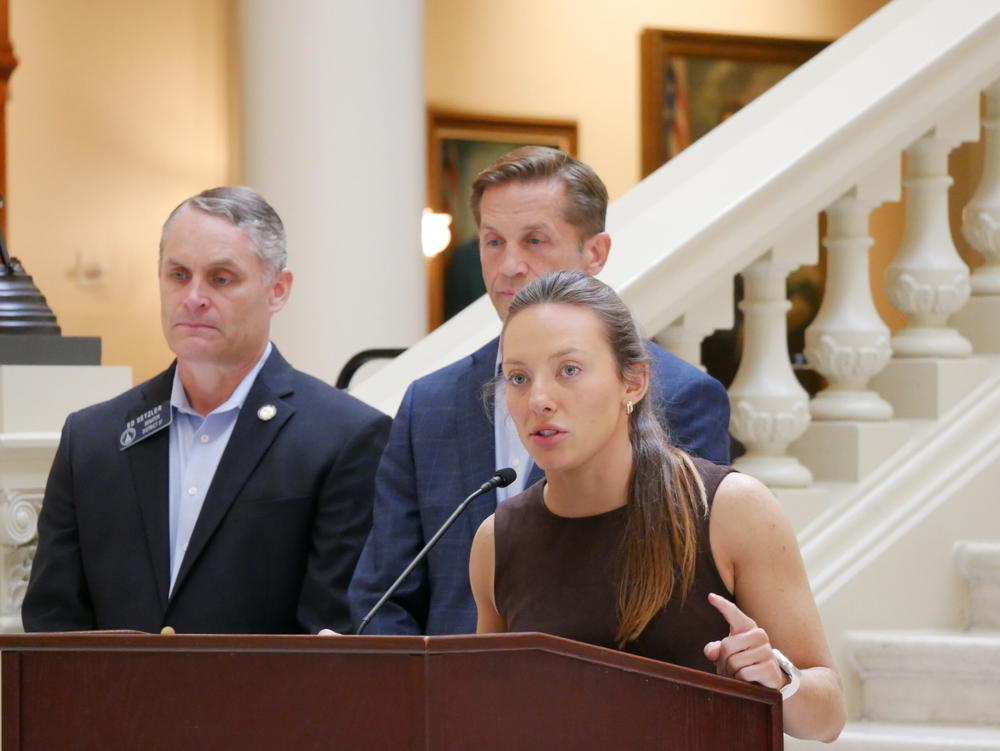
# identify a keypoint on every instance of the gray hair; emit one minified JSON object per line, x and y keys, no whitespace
{"x":246,"y":209}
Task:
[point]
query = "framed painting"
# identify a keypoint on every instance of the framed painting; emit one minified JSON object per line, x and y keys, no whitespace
{"x":459,"y":146}
{"x":691,"y":82}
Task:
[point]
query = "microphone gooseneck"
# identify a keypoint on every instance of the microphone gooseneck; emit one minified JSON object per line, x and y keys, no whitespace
{"x":501,"y":479}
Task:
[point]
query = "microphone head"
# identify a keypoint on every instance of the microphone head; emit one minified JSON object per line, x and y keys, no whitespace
{"x":505,"y":477}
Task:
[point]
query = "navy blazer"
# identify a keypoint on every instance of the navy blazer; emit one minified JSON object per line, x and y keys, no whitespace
{"x":276,"y":541}
{"x":441,"y":448}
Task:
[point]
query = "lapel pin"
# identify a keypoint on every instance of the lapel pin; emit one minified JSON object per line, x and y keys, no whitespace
{"x":127,"y":438}
{"x":267,"y":412}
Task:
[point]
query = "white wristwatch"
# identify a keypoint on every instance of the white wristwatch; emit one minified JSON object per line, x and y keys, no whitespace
{"x":789,"y":669}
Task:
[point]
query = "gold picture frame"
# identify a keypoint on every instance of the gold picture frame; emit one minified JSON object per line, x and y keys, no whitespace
{"x":691,"y":82}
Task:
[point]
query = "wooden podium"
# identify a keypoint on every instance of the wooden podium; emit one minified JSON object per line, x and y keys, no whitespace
{"x":515,"y":692}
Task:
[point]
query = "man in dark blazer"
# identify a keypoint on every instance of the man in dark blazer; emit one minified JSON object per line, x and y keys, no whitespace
{"x":229,"y":494}
{"x":538,"y":211}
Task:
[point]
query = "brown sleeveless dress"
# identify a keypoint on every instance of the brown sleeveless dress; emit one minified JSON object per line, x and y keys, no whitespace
{"x":559,"y":576}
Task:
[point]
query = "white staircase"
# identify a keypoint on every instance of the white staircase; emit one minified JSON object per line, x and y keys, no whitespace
{"x":899,"y":458}
{"x":884,"y":736}
{"x":884,"y":470}
{"x":933,"y":689}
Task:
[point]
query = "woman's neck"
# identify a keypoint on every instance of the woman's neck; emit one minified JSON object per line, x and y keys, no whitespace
{"x":596,"y":487}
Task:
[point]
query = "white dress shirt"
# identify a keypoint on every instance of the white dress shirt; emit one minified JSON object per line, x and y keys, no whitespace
{"x":196,"y":446}
{"x":510,"y":452}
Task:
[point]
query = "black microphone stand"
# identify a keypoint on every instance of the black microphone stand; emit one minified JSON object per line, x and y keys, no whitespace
{"x":501,"y":479}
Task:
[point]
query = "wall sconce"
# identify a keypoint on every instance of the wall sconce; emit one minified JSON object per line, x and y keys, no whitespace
{"x":435,"y":232}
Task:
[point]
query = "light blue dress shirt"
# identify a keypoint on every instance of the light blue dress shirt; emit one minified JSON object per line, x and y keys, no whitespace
{"x":196,"y":446}
{"x":510,"y":452}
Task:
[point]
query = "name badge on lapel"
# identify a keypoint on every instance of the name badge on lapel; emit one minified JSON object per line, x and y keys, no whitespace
{"x":145,"y":424}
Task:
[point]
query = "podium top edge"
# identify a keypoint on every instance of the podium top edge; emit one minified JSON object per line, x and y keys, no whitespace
{"x":425,"y":646}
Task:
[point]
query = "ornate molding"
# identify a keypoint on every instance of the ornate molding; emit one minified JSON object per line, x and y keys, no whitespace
{"x":19,"y":516}
{"x":982,"y":232}
{"x":845,"y":362}
{"x":17,"y":569}
{"x":18,"y":534}
{"x":758,"y":426}
{"x":937,"y":299}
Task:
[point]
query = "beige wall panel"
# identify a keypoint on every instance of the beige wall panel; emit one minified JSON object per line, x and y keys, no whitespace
{"x":580,"y":61}
{"x":118,"y":111}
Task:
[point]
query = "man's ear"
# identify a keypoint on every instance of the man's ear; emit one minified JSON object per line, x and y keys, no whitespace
{"x":280,"y":289}
{"x":595,"y":252}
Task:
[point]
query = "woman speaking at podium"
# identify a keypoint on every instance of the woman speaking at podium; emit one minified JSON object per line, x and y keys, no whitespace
{"x":628,"y":542}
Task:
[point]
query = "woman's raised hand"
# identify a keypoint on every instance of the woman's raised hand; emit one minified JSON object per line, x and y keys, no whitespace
{"x":746,"y":653}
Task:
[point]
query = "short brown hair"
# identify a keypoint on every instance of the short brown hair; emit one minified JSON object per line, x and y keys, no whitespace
{"x":587,"y":204}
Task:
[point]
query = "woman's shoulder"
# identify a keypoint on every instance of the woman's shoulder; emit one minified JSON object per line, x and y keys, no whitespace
{"x":745,"y":510}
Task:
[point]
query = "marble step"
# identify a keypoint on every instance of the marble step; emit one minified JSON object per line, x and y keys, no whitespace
{"x":928,"y":676}
{"x":980,"y":563}
{"x":884,"y":736}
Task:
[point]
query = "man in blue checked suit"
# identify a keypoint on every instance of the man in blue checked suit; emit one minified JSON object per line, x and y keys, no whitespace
{"x":538,"y":211}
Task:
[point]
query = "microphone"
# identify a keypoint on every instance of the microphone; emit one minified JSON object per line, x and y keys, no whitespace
{"x":501,"y":479}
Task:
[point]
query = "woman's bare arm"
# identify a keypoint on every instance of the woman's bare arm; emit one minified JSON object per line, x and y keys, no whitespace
{"x":757,"y":554}
{"x":482,"y":564}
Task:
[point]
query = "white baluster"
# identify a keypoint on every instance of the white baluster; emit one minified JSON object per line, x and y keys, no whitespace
{"x":847,"y":342}
{"x":684,"y":341}
{"x":981,"y":217}
{"x":769,"y":407}
{"x":981,"y":228}
{"x":928,"y":281}
{"x":930,"y":371}
{"x":714,"y":310}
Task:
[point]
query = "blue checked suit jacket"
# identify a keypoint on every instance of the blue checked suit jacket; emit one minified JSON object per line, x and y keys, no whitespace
{"x":440,"y":449}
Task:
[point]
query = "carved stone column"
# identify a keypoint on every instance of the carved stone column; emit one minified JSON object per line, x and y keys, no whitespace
{"x":847,"y":342}
{"x":928,"y":281}
{"x":770,"y":409}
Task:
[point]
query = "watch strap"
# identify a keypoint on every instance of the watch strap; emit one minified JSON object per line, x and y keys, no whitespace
{"x":789,"y":669}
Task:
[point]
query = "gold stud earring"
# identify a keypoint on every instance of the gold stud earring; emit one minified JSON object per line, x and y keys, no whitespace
{"x":629,"y":408}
